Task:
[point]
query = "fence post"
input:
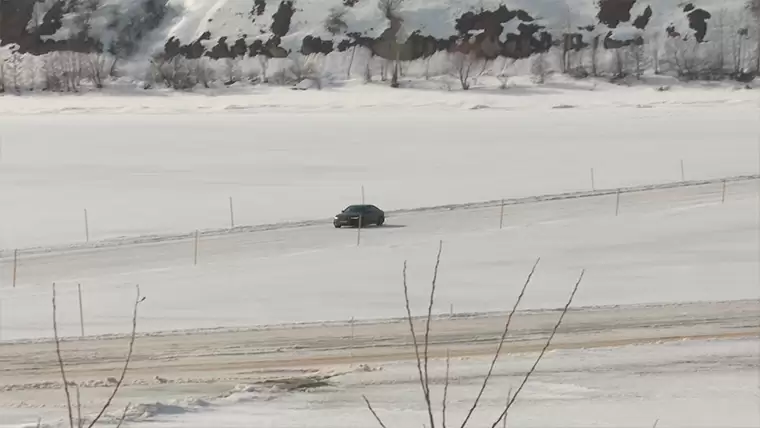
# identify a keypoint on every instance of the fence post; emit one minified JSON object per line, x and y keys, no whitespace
{"x":81,"y":311}
{"x":617,"y":203}
{"x":501,"y":215}
{"x":351,"y":345}
{"x":723,"y":194}
{"x":362,"y":194}
{"x":593,"y":184}
{"x":86,"y":226}
{"x":15,"y":266}
{"x":195,"y":259}
{"x":232,"y":215}
{"x":683,"y":175}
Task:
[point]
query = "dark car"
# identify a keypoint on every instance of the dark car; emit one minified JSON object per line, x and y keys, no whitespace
{"x":369,"y":214}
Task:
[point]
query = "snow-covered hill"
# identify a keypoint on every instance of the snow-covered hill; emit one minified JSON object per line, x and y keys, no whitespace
{"x":699,"y":39}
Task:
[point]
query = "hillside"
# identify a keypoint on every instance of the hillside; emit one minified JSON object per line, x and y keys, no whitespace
{"x":704,"y":39}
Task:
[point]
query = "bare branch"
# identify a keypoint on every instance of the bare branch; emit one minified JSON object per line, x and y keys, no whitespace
{"x":60,"y":361}
{"x":501,"y":342}
{"x":543,"y":351}
{"x":138,"y":299}
{"x":414,"y":336}
{"x":509,"y":396}
{"x":377,"y":418}
{"x":427,"y":332}
{"x":123,"y":415}
{"x":80,"y":422}
{"x":445,"y":390}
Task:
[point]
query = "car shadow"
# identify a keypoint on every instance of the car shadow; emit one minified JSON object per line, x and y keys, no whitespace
{"x":374,"y":227}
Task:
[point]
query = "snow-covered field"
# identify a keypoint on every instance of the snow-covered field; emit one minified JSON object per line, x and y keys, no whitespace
{"x":148,"y":179}
{"x":140,"y":174}
{"x":690,"y":384}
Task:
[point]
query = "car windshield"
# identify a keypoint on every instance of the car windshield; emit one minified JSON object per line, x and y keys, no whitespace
{"x":355,"y":209}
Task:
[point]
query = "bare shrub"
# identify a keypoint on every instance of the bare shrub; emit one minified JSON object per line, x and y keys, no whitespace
{"x":307,"y":67}
{"x":99,"y":67}
{"x":79,"y":421}
{"x":422,"y":356}
{"x":462,"y":67}
{"x":175,"y":73}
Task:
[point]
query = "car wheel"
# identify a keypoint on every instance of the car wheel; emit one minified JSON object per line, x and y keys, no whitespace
{"x":381,"y":221}
{"x":337,"y":226}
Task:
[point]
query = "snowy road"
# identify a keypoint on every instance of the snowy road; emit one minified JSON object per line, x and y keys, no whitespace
{"x":208,"y":365}
{"x":671,"y":245}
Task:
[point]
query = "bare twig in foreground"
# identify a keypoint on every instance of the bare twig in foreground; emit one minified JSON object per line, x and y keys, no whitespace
{"x":444,"y":403}
{"x":60,"y":361}
{"x":377,"y":418}
{"x":501,"y":343}
{"x":424,"y":386}
{"x":427,"y":332}
{"x":543,"y":351}
{"x":80,"y":422}
{"x":138,"y":300}
{"x":123,"y":415}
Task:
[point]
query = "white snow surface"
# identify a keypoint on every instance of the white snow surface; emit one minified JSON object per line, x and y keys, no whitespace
{"x":695,"y":384}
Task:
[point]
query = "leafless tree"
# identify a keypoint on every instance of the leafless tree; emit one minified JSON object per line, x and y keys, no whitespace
{"x":753,"y":6}
{"x":637,"y":59}
{"x":80,"y":421}
{"x":231,"y":70}
{"x":307,"y":67}
{"x":503,"y":76}
{"x":14,"y":71}
{"x":422,"y":355}
{"x":462,"y":65}
{"x":264,"y":66}
{"x":538,"y":68}
{"x":99,"y":66}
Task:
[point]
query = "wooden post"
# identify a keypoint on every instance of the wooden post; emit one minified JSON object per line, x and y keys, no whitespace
{"x":195,"y":259}
{"x":501,"y":215}
{"x":683,"y":175}
{"x":81,"y":310}
{"x":351,"y":345}
{"x":593,"y":184}
{"x":723,"y":195}
{"x":451,"y":310}
{"x":232,"y":215}
{"x":15,"y":266}
{"x":617,"y":203}
{"x":359,"y":232}
{"x":86,"y":226}
{"x":362,"y":194}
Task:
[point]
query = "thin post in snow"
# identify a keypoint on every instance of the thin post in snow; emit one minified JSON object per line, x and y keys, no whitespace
{"x":81,"y":311}
{"x":195,"y":258}
{"x":617,"y":203}
{"x":15,"y":266}
{"x":351,"y":345}
{"x":593,"y":184}
{"x":359,"y":232}
{"x":362,"y":194}
{"x":232,"y":215}
{"x":86,"y":226}
{"x":723,"y":194}
{"x":501,"y":215}
{"x":451,"y":310}
{"x":683,"y":175}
